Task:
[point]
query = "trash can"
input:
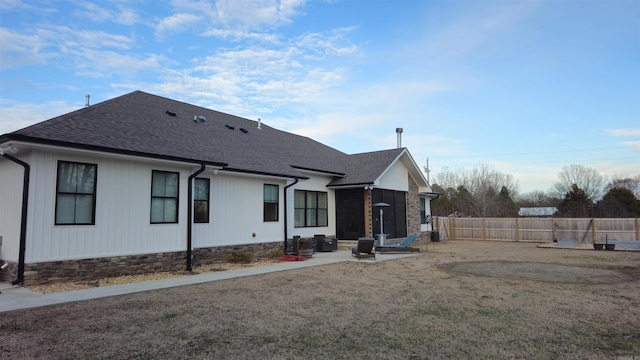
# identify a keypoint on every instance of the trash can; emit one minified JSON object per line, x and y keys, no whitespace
{"x":435,"y":236}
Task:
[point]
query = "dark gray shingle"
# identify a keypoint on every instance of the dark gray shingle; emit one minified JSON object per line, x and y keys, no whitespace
{"x":138,"y":124}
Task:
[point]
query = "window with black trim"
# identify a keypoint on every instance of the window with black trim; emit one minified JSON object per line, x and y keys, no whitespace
{"x":76,"y":193}
{"x":271,"y":201}
{"x":423,"y":211}
{"x":310,"y":208}
{"x":201,"y":200}
{"x":164,"y":197}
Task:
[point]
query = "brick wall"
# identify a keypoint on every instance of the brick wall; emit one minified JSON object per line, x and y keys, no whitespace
{"x":413,"y":208}
{"x":99,"y":268}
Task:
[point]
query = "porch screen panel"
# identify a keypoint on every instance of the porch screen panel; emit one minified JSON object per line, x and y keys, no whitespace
{"x":400,"y":214}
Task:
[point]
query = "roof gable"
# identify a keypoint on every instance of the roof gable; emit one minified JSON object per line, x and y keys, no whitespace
{"x":368,"y":168}
{"x":365,"y":168}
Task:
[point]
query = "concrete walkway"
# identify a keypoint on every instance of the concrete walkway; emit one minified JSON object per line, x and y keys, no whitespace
{"x":17,"y":297}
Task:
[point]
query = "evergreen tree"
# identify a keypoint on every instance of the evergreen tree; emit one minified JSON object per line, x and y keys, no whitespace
{"x":464,"y":202}
{"x":443,"y":206}
{"x":507,"y":206}
{"x":576,"y":203}
{"x":619,"y":203}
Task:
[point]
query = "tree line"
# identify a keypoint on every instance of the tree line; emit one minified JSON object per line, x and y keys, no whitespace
{"x":579,"y":192}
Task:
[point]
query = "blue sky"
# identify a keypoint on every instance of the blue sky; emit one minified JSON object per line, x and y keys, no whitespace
{"x":526,"y":87}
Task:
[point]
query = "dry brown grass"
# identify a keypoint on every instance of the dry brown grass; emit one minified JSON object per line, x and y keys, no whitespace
{"x":436,"y":305}
{"x":127,"y":279}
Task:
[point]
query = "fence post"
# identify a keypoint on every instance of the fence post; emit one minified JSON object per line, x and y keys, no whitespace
{"x":452,"y":222}
{"x":484,"y":228}
{"x":637,"y":228}
{"x":553,"y":230}
{"x":594,"y":231}
{"x":517,"y":230}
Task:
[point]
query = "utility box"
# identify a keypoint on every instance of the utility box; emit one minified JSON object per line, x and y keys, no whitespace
{"x":324,"y":243}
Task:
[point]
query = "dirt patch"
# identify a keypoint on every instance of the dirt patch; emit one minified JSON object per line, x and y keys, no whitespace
{"x":545,"y":272}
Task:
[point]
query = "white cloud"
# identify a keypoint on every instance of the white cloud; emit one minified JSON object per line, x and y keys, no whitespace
{"x":17,"y":115}
{"x":20,"y":49}
{"x":256,"y":14}
{"x":632,"y":144}
{"x":624,"y":132}
{"x":230,"y":19}
{"x":19,"y":5}
{"x":85,"y":52}
{"x":627,"y":132}
{"x":176,"y":23}
{"x":120,"y":15}
{"x":68,"y":37}
{"x":240,"y":35}
{"x":101,"y":63}
{"x":334,"y":42}
{"x":48,"y":41}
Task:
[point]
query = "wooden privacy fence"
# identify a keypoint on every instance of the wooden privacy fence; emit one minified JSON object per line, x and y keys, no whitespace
{"x":537,"y":229}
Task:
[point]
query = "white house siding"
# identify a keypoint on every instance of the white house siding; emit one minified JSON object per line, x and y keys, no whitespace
{"x":395,"y":178}
{"x":11,"y":177}
{"x":236,"y":212}
{"x":315,"y":183}
{"x":122,"y":226}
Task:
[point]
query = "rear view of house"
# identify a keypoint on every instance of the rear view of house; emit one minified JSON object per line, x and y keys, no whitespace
{"x":142,"y":183}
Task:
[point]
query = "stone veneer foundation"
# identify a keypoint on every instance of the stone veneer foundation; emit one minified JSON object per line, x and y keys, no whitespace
{"x":100,"y":268}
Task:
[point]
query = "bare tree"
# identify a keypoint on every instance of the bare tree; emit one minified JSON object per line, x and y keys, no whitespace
{"x":535,"y":198}
{"x":585,"y":178}
{"x":481,"y":186}
{"x":630,"y":183}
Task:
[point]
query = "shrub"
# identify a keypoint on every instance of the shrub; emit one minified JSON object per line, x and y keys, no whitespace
{"x":275,"y":254}
{"x":239,"y":257}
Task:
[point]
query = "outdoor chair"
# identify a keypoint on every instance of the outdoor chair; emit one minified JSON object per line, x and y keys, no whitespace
{"x":404,"y":246}
{"x":364,"y":249}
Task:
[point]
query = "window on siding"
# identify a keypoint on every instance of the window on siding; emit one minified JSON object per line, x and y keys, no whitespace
{"x":271,"y":198}
{"x":310,"y":209}
{"x":76,"y":193}
{"x":201,"y":200}
{"x":164,"y":197}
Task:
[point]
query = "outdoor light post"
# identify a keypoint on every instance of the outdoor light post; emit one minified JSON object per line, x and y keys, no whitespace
{"x":381,"y":205}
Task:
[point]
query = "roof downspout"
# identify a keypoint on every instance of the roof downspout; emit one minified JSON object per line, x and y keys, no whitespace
{"x":431,"y":209}
{"x":190,"y":215}
{"x":284,"y":246}
{"x":23,"y":220}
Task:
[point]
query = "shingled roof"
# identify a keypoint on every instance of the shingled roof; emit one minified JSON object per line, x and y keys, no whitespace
{"x":147,"y":125}
{"x":365,"y":168}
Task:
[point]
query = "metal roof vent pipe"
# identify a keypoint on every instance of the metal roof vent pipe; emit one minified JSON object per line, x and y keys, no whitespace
{"x":399,"y":132}
{"x":259,"y":124}
{"x":87,"y":103}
